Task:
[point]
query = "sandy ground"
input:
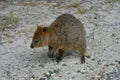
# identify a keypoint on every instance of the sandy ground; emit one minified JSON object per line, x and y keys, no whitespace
{"x":101,"y":19}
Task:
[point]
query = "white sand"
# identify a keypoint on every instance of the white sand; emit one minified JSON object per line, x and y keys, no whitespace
{"x":102,"y":23}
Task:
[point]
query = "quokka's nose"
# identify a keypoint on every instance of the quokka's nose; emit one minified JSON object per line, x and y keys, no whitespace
{"x":31,"y":46}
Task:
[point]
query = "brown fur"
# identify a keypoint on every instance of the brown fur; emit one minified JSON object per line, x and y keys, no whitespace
{"x":66,"y":33}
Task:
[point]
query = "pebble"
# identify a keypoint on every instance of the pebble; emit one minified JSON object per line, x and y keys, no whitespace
{"x":99,"y":62}
{"x":117,"y":61}
{"x":106,"y":65}
{"x":64,"y":64}
{"x":78,"y":71}
{"x":32,"y":66}
{"x":9,"y":64}
{"x":51,"y":72}
{"x":115,"y":75}
{"x":48,"y":75}
{"x":76,"y":63}
{"x":82,"y":72}
{"x":72,"y":77}
{"x":88,"y":56}
{"x":56,"y":71}
{"x":7,"y":72}
{"x":42,"y":79}
{"x":33,"y":76}
{"x":93,"y":59}
{"x":42,"y":65}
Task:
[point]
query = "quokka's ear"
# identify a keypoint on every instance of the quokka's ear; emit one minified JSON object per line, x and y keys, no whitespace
{"x":45,"y":29}
{"x":39,"y":27}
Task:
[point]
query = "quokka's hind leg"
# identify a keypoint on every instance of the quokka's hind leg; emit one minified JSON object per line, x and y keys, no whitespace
{"x":83,"y":52}
{"x":59,"y":55}
{"x":82,"y":59}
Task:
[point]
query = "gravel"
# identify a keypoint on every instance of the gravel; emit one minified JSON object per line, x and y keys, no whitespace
{"x":102,"y":24}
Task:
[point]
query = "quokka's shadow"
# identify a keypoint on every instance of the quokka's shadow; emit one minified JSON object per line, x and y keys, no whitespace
{"x":40,"y":55}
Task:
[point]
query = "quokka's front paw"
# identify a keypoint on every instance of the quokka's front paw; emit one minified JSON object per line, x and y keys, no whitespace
{"x":59,"y":55}
{"x":50,"y":55}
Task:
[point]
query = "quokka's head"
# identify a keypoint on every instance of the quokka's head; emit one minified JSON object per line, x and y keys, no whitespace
{"x":40,"y":37}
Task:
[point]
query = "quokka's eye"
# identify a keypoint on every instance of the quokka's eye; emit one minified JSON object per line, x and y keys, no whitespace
{"x":36,"y":41}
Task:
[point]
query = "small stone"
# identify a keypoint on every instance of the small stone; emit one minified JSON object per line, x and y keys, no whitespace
{"x":32,"y":66}
{"x":95,"y":17}
{"x":78,"y":71}
{"x":48,"y":74}
{"x":9,"y":64}
{"x":73,"y":77}
{"x":104,"y":49}
{"x":93,"y":59}
{"x":118,"y":62}
{"x":7,"y":72}
{"x":76,"y":63}
{"x":99,"y":62}
{"x":106,"y":65}
{"x":29,"y":60}
{"x":113,"y":34}
{"x":56,"y":71}
{"x":33,"y":76}
{"x":117,"y":42}
{"x":41,"y":65}
{"x":112,"y":64}
{"x":26,"y":65}
{"x":88,"y":56}
{"x":42,"y":79}
{"x":82,"y":72}
{"x":98,"y":75}
{"x":64,"y":65}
